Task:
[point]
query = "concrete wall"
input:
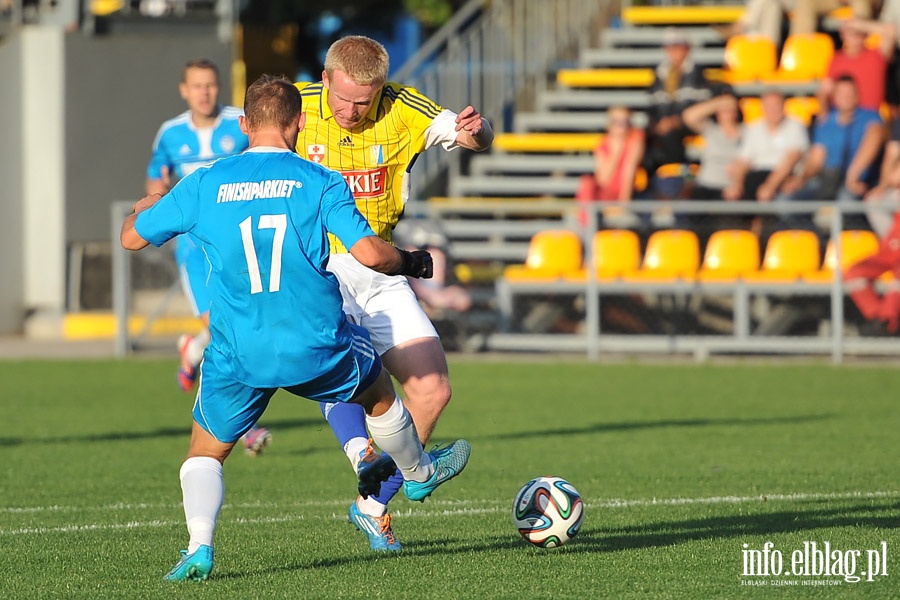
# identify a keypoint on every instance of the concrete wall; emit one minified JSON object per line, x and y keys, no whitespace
{"x":77,"y":119}
{"x":119,"y":90}
{"x":11,"y":250}
{"x":43,"y":191}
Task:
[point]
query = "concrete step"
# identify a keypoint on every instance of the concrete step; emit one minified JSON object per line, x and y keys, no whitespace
{"x":507,"y":164}
{"x":569,"y":121}
{"x":520,"y":186}
{"x":652,"y":36}
{"x":567,"y":99}
{"x":645,"y":57}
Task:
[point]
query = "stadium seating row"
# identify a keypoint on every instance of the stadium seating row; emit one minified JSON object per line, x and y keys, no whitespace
{"x":791,"y":256}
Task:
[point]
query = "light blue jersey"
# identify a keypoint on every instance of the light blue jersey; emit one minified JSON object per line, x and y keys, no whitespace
{"x":261,"y":218}
{"x":182,"y":148}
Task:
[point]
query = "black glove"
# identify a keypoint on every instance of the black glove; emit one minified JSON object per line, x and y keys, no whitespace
{"x":415,"y":264}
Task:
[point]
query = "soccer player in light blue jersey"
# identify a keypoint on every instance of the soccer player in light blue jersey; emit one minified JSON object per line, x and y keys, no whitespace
{"x":195,"y":138}
{"x":201,"y":134}
{"x":276,"y":317}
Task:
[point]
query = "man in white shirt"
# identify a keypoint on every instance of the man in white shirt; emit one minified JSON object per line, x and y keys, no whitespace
{"x":770,"y":151}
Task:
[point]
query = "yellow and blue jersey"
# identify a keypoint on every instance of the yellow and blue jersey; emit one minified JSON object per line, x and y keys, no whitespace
{"x":375,"y":157}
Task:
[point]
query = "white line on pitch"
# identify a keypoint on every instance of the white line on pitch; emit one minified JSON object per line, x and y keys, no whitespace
{"x":599,"y":502}
{"x":462,"y":509}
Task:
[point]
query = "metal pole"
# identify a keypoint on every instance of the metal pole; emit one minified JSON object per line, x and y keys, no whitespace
{"x":837,"y":289}
{"x":592,"y":301}
{"x":121,"y":279}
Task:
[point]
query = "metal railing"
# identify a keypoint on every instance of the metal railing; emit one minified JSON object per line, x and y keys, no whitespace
{"x":594,"y":341}
{"x":492,"y":53}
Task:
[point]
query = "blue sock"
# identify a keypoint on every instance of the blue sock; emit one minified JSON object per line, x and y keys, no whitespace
{"x":389,"y":488}
{"x":347,"y":420}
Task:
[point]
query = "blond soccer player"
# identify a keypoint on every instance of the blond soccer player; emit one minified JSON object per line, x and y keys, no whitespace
{"x":371,"y":130}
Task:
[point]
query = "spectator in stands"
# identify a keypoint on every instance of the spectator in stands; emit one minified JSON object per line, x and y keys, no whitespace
{"x":678,"y":84}
{"x":867,"y":66}
{"x":616,"y":159}
{"x":806,"y":13}
{"x":763,"y":17}
{"x":888,"y":188}
{"x":766,"y":16}
{"x":882,"y":312}
{"x":845,"y":144}
{"x":886,"y":28}
{"x":718,"y":120}
{"x":770,"y":151}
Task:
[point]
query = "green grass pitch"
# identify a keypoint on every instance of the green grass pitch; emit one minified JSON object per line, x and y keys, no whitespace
{"x":680,"y":466}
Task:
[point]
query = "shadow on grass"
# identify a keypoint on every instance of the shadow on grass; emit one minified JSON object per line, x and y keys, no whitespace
{"x":874,"y":514}
{"x":666,"y":423}
{"x":163,"y":432}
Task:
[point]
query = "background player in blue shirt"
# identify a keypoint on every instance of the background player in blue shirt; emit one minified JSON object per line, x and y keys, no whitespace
{"x":193,"y":139}
{"x":276,"y":315}
{"x":203,"y":133}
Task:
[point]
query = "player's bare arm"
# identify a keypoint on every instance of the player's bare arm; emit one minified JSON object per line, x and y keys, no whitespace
{"x":475,"y":132}
{"x":129,"y":237}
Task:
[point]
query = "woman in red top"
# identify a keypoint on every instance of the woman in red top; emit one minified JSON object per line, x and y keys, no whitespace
{"x":616,"y":159}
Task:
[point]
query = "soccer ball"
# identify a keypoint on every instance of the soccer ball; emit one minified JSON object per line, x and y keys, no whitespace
{"x":548,"y":511}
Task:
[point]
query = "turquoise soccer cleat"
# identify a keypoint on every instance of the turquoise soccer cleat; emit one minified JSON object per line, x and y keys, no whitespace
{"x":378,"y":529}
{"x":448,"y":462}
{"x":195,"y":566}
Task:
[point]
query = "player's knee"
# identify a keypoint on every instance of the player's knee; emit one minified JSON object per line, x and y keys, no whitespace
{"x":431,"y":390}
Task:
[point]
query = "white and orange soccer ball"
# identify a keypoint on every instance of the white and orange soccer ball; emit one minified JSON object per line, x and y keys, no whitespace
{"x":548,"y":511}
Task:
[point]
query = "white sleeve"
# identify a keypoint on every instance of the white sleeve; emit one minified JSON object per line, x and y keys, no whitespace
{"x":442,"y":131}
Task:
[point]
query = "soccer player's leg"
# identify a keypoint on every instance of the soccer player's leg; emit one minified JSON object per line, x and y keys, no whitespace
{"x":194,"y":271}
{"x":409,"y":347}
{"x":859,"y":280}
{"x":368,"y":512}
{"x":217,"y":426}
{"x":392,"y":428}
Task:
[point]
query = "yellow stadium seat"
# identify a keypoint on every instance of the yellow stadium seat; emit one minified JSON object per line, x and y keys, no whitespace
{"x":749,"y":58}
{"x":617,"y":253}
{"x":802,"y":108}
{"x":751,"y":108}
{"x":805,"y":57}
{"x":670,"y":254}
{"x":730,"y":255}
{"x":790,"y":255}
{"x":551,"y":255}
{"x":855,"y":246}
{"x":103,"y":8}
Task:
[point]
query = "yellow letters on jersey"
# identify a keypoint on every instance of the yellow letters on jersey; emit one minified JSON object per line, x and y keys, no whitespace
{"x":374,"y":157}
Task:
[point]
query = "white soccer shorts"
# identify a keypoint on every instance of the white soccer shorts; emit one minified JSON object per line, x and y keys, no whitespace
{"x":385,"y":305}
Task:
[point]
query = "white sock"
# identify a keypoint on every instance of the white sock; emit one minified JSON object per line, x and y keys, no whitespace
{"x":353,"y":448}
{"x":203,"y":491}
{"x":395,"y":433}
{"x":370,"y":506}
{"x":196,"y":347}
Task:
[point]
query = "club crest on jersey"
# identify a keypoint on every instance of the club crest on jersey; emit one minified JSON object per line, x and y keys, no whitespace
{"x":377,"y":154}
{"x":227,"y":143}
{"x":369,"y":183}
{"x":316,"y":152}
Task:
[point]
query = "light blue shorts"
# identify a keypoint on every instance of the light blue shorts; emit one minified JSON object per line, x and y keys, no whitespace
{"x":194,"y":270}
{"x":227,"y":408}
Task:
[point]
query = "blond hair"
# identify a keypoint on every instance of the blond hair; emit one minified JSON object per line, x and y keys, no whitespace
{"x":363,"y":59}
